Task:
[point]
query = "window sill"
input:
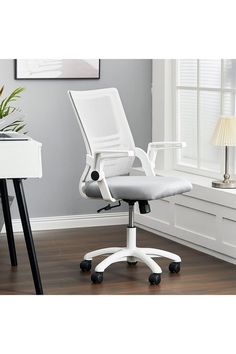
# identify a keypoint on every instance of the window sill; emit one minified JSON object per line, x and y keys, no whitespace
{"x":202,"y":188}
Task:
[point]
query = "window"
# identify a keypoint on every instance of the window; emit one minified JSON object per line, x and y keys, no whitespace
{"x":204,"y":90}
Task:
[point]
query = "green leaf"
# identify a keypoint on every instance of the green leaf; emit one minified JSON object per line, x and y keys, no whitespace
{"x":6,"y":109}
{"x":11,"y":98}
{"x":14,"y":127}
{"x":20,"y":128}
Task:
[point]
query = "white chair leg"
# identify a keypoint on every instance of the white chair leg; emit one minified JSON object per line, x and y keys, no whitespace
{"x":115,"y":257}
{"x":153,"y":252}
{"x":89,"y":256}
{"x":130,"y":253}
{"x":155,"y":268}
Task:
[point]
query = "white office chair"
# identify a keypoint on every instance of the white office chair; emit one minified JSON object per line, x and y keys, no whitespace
{"x":110,"y":156}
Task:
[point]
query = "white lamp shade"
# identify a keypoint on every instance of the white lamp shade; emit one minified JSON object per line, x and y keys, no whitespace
{"x":225,"y":132}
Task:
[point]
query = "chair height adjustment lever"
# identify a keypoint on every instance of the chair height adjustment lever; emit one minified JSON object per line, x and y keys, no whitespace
{"x":109,"y":206}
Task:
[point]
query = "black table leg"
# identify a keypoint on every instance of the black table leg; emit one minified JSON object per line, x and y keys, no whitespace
{"x":8,"y":222}
{"x":21,"y":201}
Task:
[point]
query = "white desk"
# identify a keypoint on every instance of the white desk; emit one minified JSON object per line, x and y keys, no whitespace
{"x":20,"y":160}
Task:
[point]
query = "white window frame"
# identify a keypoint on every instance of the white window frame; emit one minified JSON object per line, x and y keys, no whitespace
{"x":165,"y":125}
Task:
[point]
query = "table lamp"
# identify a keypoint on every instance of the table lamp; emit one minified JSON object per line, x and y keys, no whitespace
{"x":225,"y":135}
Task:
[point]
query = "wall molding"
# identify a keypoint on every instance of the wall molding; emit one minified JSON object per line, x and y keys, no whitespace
{"x":72,"y":221}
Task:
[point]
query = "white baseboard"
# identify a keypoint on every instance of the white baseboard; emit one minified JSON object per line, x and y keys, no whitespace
{"x":187,"y":243}
{"x":72,"y":221}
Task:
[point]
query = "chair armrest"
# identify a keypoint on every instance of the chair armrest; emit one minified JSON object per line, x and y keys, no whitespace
{"x":107,"y":154}
{"x":102,"y":155}
{"x":115,"y":152}
{"x":146,"y":163}
{"x":95,"y":165}
{"x":161,"y":145}
{"x":154,"y":147}
{"x":95,"y":161}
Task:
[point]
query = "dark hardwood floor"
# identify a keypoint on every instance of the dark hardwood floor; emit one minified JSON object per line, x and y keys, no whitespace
{"x":60,"y":252}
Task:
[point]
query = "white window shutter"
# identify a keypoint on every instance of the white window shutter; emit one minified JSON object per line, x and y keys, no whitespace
{"x":205,"y":90}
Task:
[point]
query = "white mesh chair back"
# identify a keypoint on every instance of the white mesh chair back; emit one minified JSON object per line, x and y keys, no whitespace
{"x":104,"y":126}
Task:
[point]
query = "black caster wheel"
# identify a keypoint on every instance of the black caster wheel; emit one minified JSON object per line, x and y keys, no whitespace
{"x":132,"y":263}
{"x":155,"y":278}
{"x":97,"y":277}
{"x":174,"y":267}
{"x":85,"y":265}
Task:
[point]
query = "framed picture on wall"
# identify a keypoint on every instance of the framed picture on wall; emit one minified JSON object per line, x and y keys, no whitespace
{"x":57,"y":69}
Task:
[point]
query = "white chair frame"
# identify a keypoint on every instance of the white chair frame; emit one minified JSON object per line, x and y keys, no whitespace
{"x":95,"y":162}
{"x":131,"y":252}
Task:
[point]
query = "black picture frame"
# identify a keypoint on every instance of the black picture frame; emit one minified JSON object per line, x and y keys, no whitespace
{"x":16,"y":76}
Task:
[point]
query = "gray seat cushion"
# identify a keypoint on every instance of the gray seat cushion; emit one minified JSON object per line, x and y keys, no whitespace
{"x":140,"y":187}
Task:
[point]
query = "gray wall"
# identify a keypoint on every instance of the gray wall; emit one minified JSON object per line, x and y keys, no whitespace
{"x":51,"y":120}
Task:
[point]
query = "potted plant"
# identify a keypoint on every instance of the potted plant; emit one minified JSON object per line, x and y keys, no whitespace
{"x":10,"y":116}
{"x":11,"y":119}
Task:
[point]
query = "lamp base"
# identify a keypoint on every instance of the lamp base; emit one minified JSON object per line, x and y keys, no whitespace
{"x":225,"y":185}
